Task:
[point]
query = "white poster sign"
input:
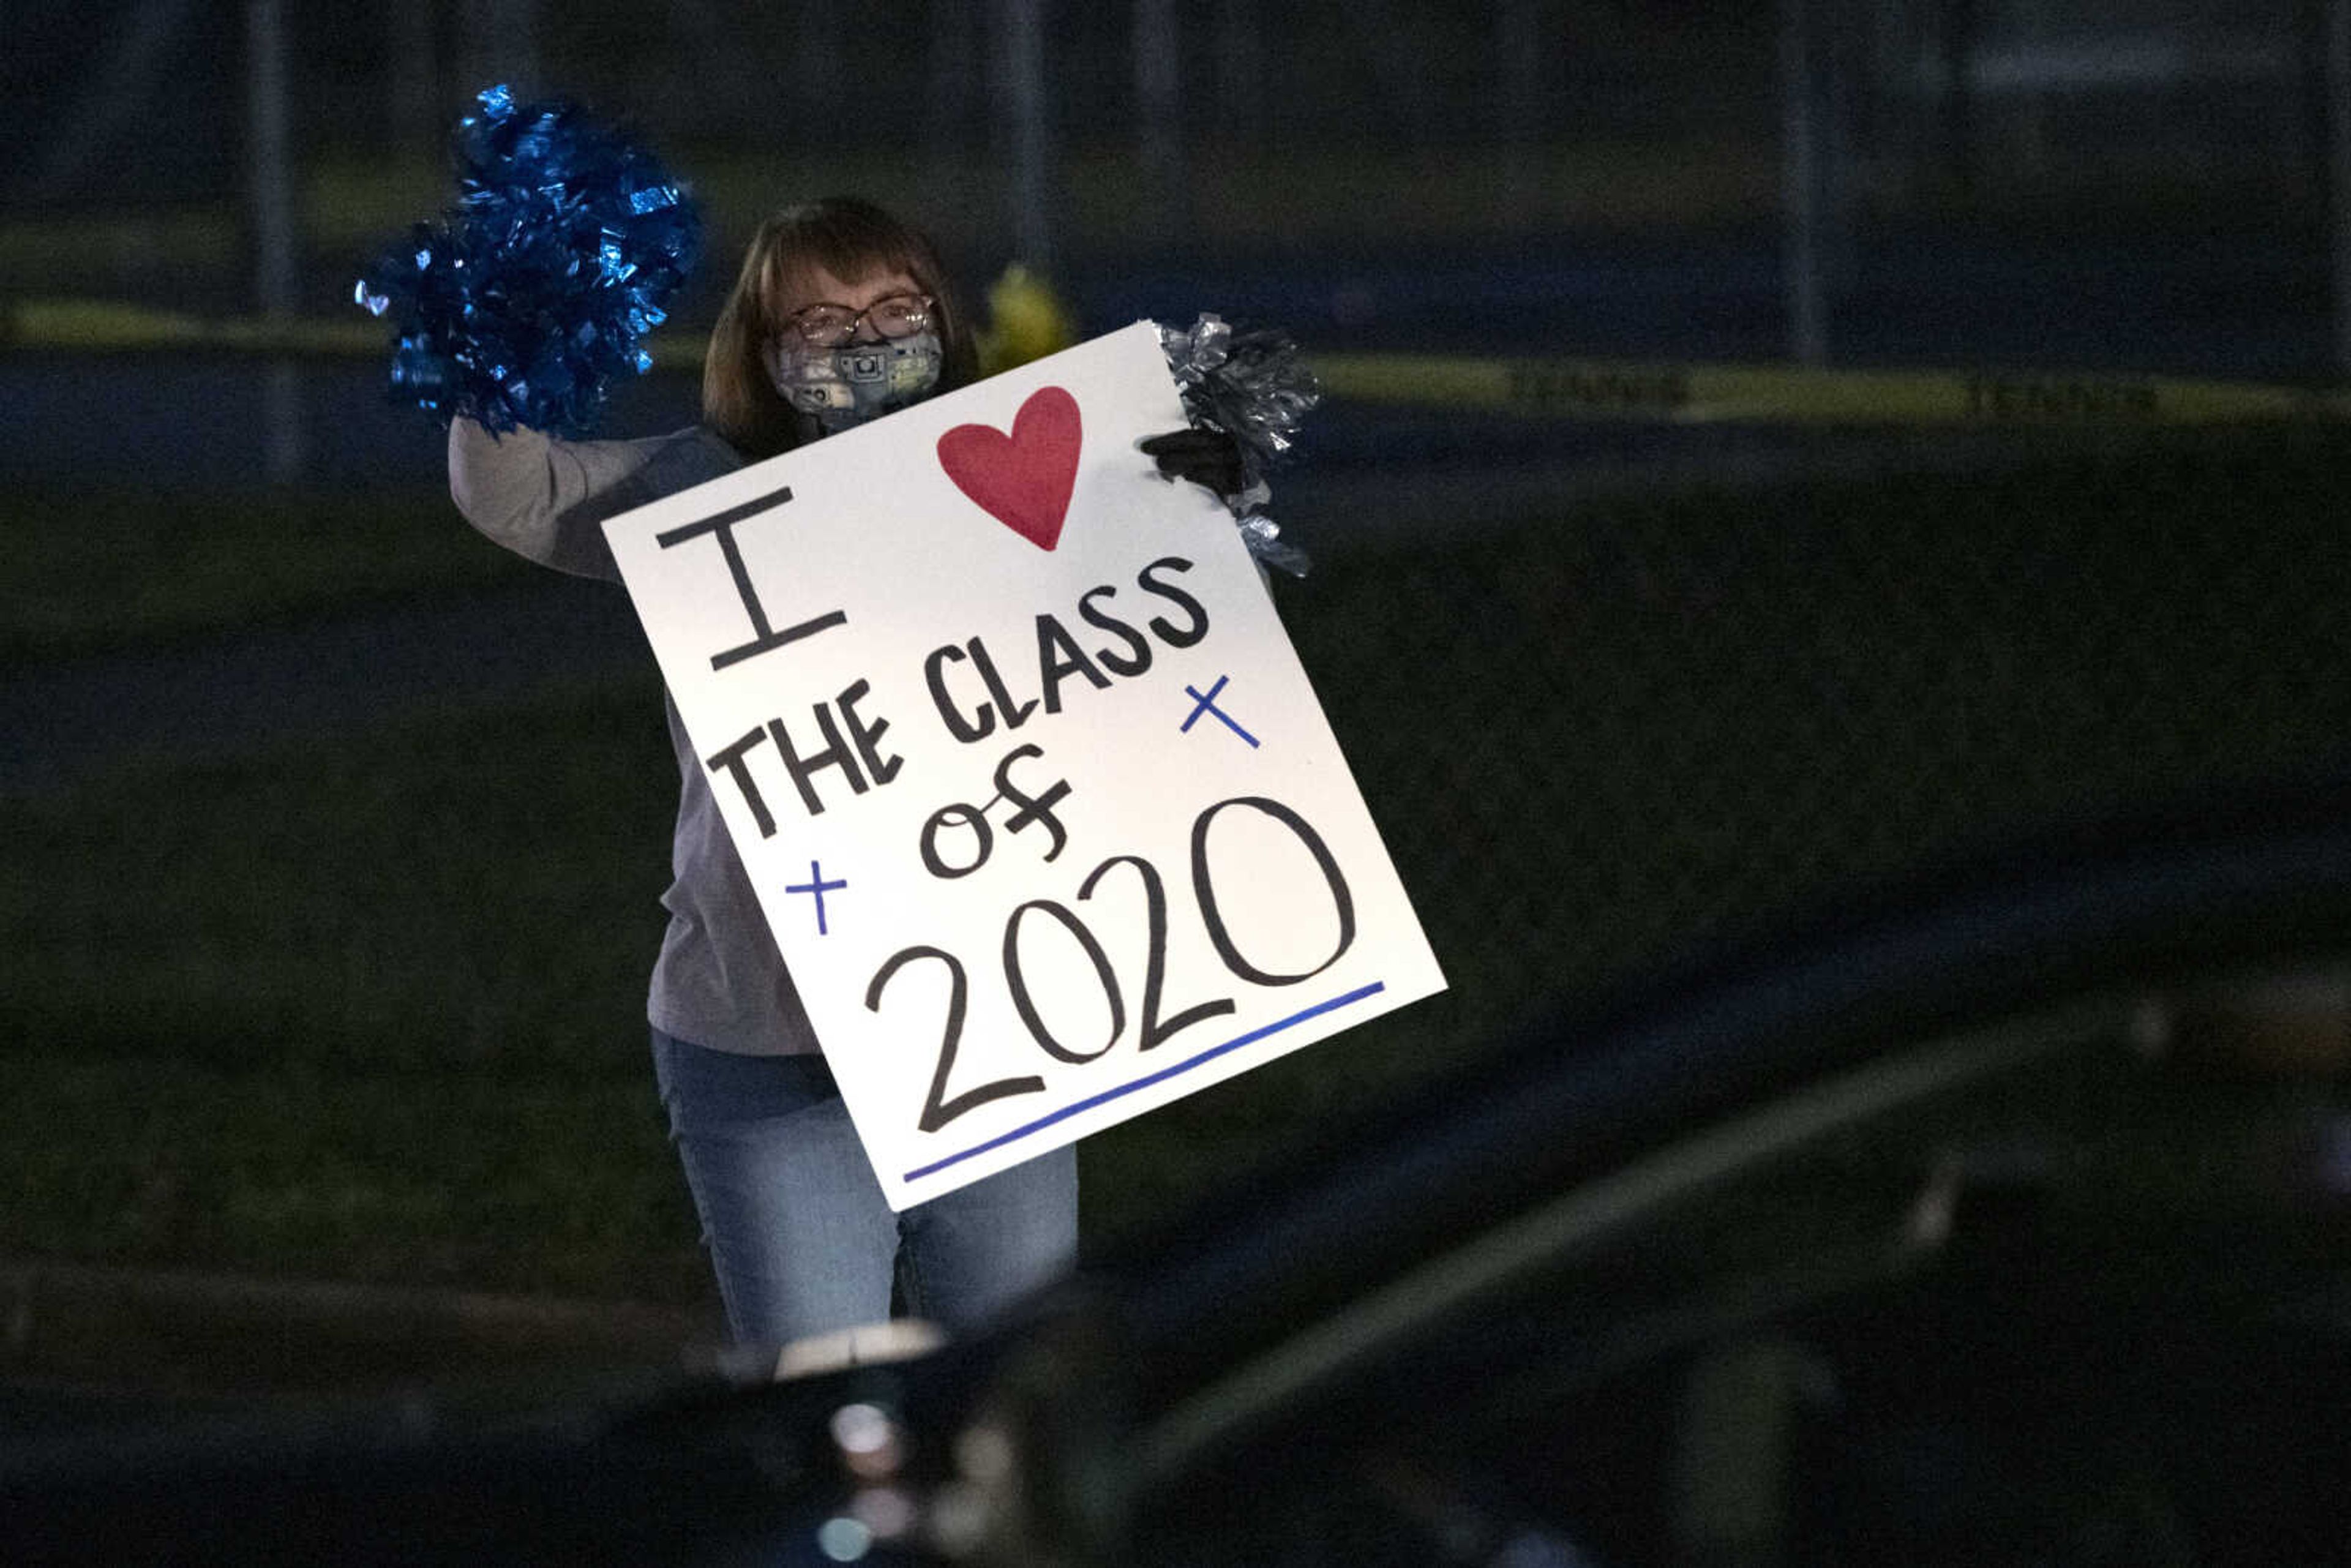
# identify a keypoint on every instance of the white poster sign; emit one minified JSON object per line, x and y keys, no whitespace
{"x":1038,"y":804}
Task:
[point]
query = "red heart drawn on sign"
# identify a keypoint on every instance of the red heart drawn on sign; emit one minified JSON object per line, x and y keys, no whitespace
{"x":1022,"y":480}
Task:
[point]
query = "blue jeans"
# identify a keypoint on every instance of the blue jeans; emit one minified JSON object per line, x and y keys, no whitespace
{"x":799,"y":1235}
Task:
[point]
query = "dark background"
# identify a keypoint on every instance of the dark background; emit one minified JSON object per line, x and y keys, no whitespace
{"x":336,"y":836}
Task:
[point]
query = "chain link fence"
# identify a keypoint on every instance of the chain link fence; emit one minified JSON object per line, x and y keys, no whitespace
{"x":1607,"y":737}
{"x":1623,"y":725}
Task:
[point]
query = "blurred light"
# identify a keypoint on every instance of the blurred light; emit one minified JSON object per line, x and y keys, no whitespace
{"x":843,"y":1540}
{"x":1938,"y":1204}
{"x":869,"y":1441}
{"x":958,"y":1518}
{"x":886,"y":1511}
{"x":862,"y":1429}
{"x":984,"y":1453}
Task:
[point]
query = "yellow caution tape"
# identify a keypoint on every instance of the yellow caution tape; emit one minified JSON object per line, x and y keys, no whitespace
{"x":1654,"y":391}
{"x":93,"y":326}
{"x":101,"y":327}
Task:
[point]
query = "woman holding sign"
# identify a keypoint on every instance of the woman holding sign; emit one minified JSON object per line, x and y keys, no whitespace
{"x":798,"y":1233}
{"x":841,"y":313}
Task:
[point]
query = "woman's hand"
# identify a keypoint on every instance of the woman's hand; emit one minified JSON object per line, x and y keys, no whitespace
{"x":1208,"y":457}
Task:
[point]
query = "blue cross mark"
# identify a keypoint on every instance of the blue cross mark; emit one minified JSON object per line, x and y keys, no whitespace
{"x":818,"y":886}
{"x":1206,"y":703}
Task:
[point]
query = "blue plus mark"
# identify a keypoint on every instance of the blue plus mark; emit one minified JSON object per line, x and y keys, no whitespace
{"x":818,"y":886}
{"x":1206,"y":703}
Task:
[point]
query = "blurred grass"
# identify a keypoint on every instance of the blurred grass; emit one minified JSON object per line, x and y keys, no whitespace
{"x":374,"y":1011}
{"x":131,"y":569}
{"x":362,"y":1012}
{"x":553,"y":1183}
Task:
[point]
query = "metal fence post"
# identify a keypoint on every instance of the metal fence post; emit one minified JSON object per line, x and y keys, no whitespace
{"x":269,"y":194}
{"x":1029,"y":110}
{"x":411,"y":82}
{"x":2337,"y":70}
{"x":1519,"y":29}
{"x":1804,"y":180}
{"x":1158,"y":86}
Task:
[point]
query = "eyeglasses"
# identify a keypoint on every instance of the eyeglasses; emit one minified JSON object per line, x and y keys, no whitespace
{"x":830,"y":326}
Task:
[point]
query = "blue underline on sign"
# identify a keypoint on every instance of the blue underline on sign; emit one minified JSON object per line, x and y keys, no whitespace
{"x":1148,"y":1078}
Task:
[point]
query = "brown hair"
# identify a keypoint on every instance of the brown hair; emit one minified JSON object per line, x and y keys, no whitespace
{"x":849,"y":238}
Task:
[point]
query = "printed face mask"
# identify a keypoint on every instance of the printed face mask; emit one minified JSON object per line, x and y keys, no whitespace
{"x":850,"y":384}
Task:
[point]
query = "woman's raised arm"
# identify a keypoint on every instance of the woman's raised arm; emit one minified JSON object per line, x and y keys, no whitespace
{"x":546,"y":499}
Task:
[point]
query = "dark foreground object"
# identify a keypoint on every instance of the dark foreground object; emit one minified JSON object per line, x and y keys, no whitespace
{"x":2002,"y":1221}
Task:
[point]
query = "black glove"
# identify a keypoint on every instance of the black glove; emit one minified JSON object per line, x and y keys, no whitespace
{"x":1207,"y":458}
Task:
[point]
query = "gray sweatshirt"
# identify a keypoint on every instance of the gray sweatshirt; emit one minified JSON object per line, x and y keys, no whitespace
{"x":719,"y":981}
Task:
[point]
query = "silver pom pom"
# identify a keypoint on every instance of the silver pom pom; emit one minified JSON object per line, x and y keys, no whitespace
{"x":1251,"y":386}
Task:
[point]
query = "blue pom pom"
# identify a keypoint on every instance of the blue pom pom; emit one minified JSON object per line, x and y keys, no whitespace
{"x":524,"y":301}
